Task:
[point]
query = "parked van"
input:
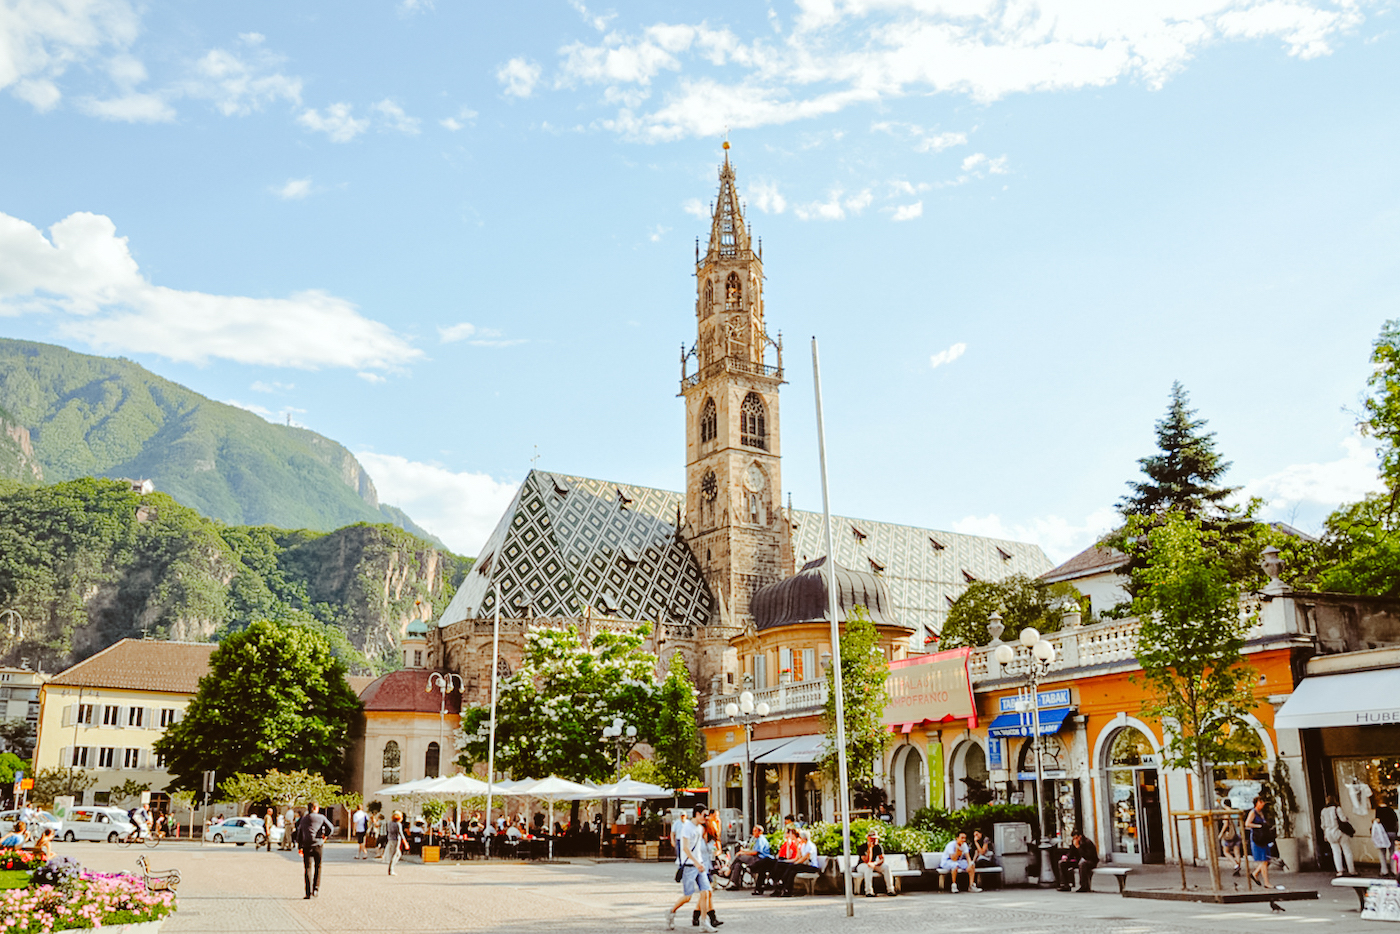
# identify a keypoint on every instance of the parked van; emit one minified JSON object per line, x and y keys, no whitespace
{"x":96,"y":823}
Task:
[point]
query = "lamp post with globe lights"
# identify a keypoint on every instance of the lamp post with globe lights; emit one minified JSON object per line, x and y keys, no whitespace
{"x":623,"y":736}
{"x":1042,"y":655}
{"x":746,"y":713}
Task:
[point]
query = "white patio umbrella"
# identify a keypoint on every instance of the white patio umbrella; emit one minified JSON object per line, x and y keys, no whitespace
{"x":553,"y":788}
{"x":630,"y":790}
{"x":455,"y":787}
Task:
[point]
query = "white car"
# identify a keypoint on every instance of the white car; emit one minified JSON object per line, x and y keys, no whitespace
{"x":241,"y":830}
{"x":97,"y":823}
{"x":42,"y":821}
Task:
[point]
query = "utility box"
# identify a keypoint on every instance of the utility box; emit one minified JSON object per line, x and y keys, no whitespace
{"x":1012,"y":844}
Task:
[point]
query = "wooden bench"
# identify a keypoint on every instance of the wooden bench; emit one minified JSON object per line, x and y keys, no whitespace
{"x":165,"y":880}
{"x":1120,"y":873}
{"x":1360,"y":885}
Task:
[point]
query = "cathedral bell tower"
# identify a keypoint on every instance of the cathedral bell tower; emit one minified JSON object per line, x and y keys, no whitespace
{"x":733,"y":482}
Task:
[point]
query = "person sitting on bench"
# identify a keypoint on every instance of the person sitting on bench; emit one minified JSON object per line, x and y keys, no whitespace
{"x":786,"y":873}
{"x":758,"y":849}
{"x":957,"y":857}
{"x":1082,"y":856}
{"x":872,"y":861}
{"x":768,"y":865}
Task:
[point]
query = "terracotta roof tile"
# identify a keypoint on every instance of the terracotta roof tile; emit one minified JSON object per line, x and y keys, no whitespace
{"x":1091,"y":560}
{"x":142,"y":665}
{"x":403,"y":691}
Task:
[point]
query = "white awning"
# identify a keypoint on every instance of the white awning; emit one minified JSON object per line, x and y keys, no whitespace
{"x":1358,"y":698}
{"x":735,"y":755}
{"x":809,"y":748}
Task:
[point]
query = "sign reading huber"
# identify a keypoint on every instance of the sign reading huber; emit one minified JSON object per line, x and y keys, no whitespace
{"x":930,"y":687}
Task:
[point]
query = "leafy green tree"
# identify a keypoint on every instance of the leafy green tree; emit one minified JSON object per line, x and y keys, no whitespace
{"x":863,"y":674}
{"x":552,"y":710}
{"x":275,"y":698}
{"x":1190,"y":638}
{"x":128,"y":789}
{"x":676,"y":742}
{"x":9,"y":765}
{"x":1382,"y":420}
{"x":18,"y":735}
{"x":51,"y":783}
{"x":281,"y":788}
{"x":1021,"y":600}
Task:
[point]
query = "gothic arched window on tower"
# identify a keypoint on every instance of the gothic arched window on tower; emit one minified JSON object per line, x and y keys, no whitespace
{"x":733,"y":293}
{"x":709,"y":422}
{"x":753,"y":429}
{"x":707,"y":305}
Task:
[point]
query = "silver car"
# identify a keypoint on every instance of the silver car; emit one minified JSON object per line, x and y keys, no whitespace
{"x":241,"y":830}
{"x":97,"y":823}
{"x":42,"y":821}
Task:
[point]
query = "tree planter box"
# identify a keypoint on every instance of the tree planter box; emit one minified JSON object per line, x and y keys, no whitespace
{"x":649,"y":849}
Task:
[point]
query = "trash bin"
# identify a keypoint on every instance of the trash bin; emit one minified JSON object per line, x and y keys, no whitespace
{"x":1012,"y":844}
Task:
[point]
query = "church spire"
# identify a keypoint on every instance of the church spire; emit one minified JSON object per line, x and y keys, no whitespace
{"x":729,"y":237}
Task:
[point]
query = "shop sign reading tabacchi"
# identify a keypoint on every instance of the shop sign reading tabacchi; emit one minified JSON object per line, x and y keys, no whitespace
{"x":930,"y":687}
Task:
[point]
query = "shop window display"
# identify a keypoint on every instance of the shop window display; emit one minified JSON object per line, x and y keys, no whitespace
{"x":1242,"y":781}
{"x":1134,"y":790}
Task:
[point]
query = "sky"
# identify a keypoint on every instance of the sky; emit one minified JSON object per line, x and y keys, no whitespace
{"x":459,"y":237}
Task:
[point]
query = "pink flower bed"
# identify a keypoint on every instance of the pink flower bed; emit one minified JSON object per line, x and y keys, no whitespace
{"x":93,"y":900}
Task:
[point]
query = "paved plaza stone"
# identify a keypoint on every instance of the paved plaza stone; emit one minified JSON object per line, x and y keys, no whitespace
{"x":229,"y":890}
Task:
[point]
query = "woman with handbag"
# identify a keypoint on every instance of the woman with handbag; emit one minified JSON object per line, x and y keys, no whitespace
{"x":1261,"y":840}
{"x":1338,"y":831}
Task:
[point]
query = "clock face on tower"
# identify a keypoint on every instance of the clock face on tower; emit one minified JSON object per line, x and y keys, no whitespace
{"x":709,"y":486}
{"x":754,"y":479}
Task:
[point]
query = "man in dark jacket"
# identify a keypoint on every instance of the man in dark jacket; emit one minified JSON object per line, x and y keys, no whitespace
{"x":312,"y":831}
{"x":1082,"y":856}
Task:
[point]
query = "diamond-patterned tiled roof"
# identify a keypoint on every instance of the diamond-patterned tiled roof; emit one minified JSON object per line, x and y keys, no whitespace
{"x":566,"y":542}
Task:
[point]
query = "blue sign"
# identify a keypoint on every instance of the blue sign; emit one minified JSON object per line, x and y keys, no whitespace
{"x":1056,"y":698}
{"x":996,"y":758}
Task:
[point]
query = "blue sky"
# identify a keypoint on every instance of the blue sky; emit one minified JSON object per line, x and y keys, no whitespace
{"x":448,"y":234}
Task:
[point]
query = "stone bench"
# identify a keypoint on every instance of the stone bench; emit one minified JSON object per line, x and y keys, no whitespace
{"x":1360,"y":885}
{"x":1120,"y":873}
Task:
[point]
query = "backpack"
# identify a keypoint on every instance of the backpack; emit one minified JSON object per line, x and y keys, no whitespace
{"x":1265,"y":834}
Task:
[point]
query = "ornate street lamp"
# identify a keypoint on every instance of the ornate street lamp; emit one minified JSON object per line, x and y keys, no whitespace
{"x":746,"y":713}
{"x":1042,"y":655}
{"x":444,"y":683}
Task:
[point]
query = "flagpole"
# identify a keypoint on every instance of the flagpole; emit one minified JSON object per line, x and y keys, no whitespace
{"x":845,"y":794}
{"x":491,"y":743}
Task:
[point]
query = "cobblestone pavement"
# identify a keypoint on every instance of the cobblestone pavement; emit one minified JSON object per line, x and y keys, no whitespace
{"x":229,"y":890}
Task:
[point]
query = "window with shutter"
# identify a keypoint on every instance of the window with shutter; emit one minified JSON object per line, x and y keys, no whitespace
{"x":809,"y":664}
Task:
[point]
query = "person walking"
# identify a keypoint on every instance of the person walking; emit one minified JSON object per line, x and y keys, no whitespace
{"x":268,"y":824}
{"x":1386,"y":817}
{"x":397,"y":841}
{"x":312,"y":831}
{"x":1261,"y":837}
{"x":1338,"y":831}
{"x":359,"y":821}
{"x":694,"y":873}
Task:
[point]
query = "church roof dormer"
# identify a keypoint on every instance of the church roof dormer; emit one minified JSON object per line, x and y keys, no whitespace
{"x":729,"y":237}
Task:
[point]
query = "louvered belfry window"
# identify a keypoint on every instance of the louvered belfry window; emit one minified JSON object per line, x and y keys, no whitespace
{"x":709,"y":421}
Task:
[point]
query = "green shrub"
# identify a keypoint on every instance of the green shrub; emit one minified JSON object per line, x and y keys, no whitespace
{"x":978,"y":817}
{"x":907,"y":840}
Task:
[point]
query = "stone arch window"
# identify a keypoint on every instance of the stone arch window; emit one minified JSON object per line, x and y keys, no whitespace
{"x":707,"y":304}
{"x":753,"y":419}
{"x":733,"y":293}
{"x":709,"y":421}
{"x":392,"y":764}
{"x":432,"y":760}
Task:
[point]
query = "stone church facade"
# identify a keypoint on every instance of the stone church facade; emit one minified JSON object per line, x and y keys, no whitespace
{"x":597,"y":554}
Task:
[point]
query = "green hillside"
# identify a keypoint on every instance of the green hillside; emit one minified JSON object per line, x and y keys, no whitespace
{"x":88,"y":562}
{"x":105,"y":417}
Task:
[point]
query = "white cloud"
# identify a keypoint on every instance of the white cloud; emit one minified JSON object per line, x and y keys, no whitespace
{"x":293,"y":190}
{"x":86,"y":274}
{"x":40,"y":41}
{"x":598,"y":22}
{"x":835,"y":207}
{"x":462,"y":118}
{"x":519,"y":76}
{"x":765,"y":196}
{"x":395,"y":118}
{"x":696,"y":208}
{"x":907,"y":212}
{"x":925,"y":139}
{"x":372,"y":378}
{"x":1060,"y":538}
{"x":409,"y":7}
{"x":947,"y":356}
{"x":460,"y":508}
{"x":338,"y":123}
{"x":475,"y":336}
{"x":656,"y":233}
{"x":241,"y":80}
{"x":130,"y":108}
{"x":1345,"y":480}
{"x":264,"y":411}
{"x":844,"y":52}
{"x":979,"y":163}
{"x":262,"y":386}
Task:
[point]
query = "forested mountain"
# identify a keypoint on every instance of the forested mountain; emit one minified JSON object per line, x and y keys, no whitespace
{"x":88,"y":562}
{"x":108,"y":417}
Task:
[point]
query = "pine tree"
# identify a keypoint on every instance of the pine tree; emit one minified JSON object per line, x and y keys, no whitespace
{"x":1185,"y":476}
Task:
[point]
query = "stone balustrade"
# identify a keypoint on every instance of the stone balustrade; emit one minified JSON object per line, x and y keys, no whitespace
{"x":793,"y":699}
